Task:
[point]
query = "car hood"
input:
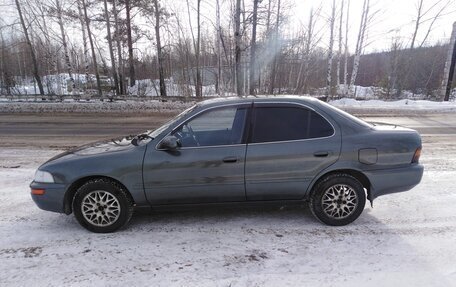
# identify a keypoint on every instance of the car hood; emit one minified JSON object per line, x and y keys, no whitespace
{"x":101,"y":147}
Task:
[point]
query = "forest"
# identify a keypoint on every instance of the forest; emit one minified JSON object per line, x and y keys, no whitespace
{"x":196,"y":48}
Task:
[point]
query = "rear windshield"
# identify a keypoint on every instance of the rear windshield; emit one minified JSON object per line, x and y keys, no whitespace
{"x":347,"y":115}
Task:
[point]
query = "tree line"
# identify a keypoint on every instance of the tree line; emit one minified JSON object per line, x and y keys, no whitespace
{"x":241,"y":47}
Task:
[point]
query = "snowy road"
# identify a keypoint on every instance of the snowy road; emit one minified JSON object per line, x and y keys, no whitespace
{"x":66,"y":130}
{"x":407,"y":239}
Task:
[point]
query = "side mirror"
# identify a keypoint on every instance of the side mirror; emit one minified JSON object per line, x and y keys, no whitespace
{"x":169,"y":143}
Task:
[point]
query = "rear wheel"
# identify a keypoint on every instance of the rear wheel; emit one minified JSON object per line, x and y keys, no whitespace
{"x":102,"y":206}
{"x":338,"y":199}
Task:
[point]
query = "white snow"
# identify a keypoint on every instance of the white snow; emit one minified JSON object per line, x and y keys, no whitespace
{"x":408,"y":239}
{"x":130,"y":106}
{"x":406,"y":104}
{"x":138,"y":106}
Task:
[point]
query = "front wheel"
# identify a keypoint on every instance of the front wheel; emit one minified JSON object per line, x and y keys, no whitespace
{"x":102,"y":206}
{"x":338,"y":199}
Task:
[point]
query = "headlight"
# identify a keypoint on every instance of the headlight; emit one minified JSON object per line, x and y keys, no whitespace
{"x":43,"y":176}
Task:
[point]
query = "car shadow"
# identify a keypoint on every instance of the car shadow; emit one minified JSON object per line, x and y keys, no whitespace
{"x":270,"y":214}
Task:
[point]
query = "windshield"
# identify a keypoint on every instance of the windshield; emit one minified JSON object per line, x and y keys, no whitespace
{"x":155,"y":133}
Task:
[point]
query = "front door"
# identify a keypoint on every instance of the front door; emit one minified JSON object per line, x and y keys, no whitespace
{"x":209,"y":165}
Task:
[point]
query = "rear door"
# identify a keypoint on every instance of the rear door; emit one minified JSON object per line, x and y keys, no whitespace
{"x":289,"y":145}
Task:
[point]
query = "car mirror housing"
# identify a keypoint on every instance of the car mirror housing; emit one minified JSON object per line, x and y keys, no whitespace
{"x":169,"y":143}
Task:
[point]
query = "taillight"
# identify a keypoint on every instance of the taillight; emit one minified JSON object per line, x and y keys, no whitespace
{"x":416,"y":156}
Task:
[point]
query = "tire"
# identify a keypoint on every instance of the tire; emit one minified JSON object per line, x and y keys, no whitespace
{"x":102,"y":206}
{"x":338,"y":199}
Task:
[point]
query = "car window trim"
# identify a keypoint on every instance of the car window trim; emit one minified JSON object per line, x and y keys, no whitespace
{"x":285,"y":104}
{"x":239,"y":105}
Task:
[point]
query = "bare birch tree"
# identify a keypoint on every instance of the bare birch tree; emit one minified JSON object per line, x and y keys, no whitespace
{"x":309,"y":43}
{"x":92,"y":47}
{"x":36,"y":72}
{"x":339,"y":54}
{"x":111,"y":48}
{"x":252,"y":81}
{"x":219,"y":80}
{"x":131,"y":63}
{"x":160,"y":59}
{"x":360,"y":41}
{"x":332,"y":21}
{"x":346,"y":50}
{"x":119,"y":47}
{"x":427,"y":14}
{"x":276,"y":48}
{"x":64,"y":44}
{"x":199,"y":84}
{"x":84,"y":41}
{"x":237,"y":49}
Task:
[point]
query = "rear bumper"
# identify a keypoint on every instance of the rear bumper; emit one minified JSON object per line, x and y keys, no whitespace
{"x":53,"y":197}
{"x":394,"y":180}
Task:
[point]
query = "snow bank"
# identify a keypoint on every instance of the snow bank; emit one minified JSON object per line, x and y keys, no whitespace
{"x":94,"y":107}
{"x":151,"y":88}
{"x":395,"y":105}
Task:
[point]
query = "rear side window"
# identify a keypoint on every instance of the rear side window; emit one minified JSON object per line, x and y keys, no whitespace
{"x":273,"y":124}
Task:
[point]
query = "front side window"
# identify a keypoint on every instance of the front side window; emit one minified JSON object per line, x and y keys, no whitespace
{"x":272,"y":124}
{"x":223,"y":126}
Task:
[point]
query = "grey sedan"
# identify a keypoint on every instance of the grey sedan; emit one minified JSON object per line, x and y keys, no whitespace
{"x":283,"y":149}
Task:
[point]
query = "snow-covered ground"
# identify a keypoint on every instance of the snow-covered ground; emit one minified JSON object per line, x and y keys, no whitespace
{"x":410,"y":105}
{"x":93,"y":107}
{"x":407,"y":239}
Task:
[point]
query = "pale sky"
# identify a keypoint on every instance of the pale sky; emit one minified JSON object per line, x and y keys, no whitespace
{"x":395,"y":18}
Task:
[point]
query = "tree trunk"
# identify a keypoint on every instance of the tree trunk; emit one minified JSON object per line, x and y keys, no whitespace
{"x":450,"y":65}
{"x":330,"y":51}
{"x":4,"y":74}
{"x":199,"y":86}
{"x":346,"y":50}
{"x":252,"y":75}
{"x":119,"y":48}
{"x":65,"y":45}
{"x":111,"y":49}
{"x":237,"y":49}
{"x":301,"y":81}
{"x":36,"y":73}
{"x":159,"y":50}
{"x":84,"y":42}
{"x":417,"y":23}
{"x":339,"y":54}
{"x":92,"y":47}
{"x":130,"y":45}
{"x":50,"y":55}
{"x":218,"y":87}
{"x":276,"y":44}
{"x":359,"y":45}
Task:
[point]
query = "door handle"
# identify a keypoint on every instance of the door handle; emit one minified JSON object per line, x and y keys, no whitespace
{"x":321,"y":153}
{"x":229,"y":159}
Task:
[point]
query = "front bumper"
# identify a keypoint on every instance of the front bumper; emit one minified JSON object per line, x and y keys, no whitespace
{"x":394,"y":180}
{"x":52,"y":199}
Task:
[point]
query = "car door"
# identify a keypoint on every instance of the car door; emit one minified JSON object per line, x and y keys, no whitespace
{"x":209,"y":165}
{"x":288,"y":146}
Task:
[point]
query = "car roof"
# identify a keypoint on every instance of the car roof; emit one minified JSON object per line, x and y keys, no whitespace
{"x":260,"y":98}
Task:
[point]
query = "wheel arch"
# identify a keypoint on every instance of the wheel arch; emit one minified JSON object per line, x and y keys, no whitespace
{"x":71,"y":190}
{"x":361,"y":177}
